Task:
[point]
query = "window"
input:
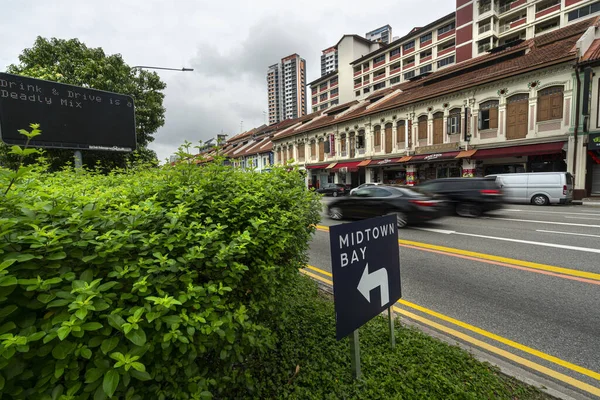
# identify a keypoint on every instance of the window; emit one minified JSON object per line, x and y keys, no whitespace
{"x":301,"y":151}
{"x":454,"y":121}
{"x":314,"y":100}
{"x":395,"y":80}
{"x":378,"y":86}
{"x":379,"y":59}
{"x":408,"y":61}
{"x":446,"y":45}
{"x":333,"y":81}
{"x":395,"y":66}
{"x":545,"y":26}
{"x":323,"y":86}
{"x":334,"y":92}
{"x":484,"y":27}
{"x":334,"y":102}
{"x":400,"y":131}
{"x":357,"y":93}
{"x":379,"y":73}
{"x":583,"y":11}
{"x":410,"y":74}
{"x":395,"y":52}
{"x":323,"y":106}
{"x":409,"y":45}
{"x":446,"y":28}
{"x":423,"y":127}
{"x":425,"y":54}
{"x":484,"y":46}
{"x":315,"y":109}
{"x":550,"y":104}
{"x":426,"y":68}
{"x":488,"y":115}
{"x":426,"y":38}
{"x":445,"y":61}
{"x":366,"y":90}
{"x":323,"y":97}
{"x":377,"y":136}
{"x":546,"y":4}
{"x":366,"y":66}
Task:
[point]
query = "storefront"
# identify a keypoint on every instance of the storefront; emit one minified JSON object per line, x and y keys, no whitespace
{"x":318,"y":175}
{"x":543,"y":157}
{"x":347,"y":172}
{"x":593,"y":164}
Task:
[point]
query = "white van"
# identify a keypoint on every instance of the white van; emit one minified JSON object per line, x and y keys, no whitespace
{"x":540,"y":188}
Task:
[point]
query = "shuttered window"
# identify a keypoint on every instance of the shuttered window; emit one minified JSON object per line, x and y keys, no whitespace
{"x":422,"y":127}
{"x":377,"y":136}
{"x":301,"y":151}
{"x":550,"y":104}
{"x":488,"y":115}
{"x":400,"y":131}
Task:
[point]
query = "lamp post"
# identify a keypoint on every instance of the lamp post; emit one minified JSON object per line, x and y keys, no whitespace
{"x":163,"y":68}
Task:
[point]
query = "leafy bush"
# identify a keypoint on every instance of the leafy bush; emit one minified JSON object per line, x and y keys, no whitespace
{"x":149,"y":283}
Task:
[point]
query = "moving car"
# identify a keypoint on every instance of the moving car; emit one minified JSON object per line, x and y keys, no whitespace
{"x":333,"y":189}
{"x":469,"y":197}
{"x":539,"y":188}
{"x":362,"y":185}
{"x":407,"y":204}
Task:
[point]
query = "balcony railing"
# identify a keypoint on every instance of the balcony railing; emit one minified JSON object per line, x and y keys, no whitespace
{"x":485,"y":8}
{"x":485,"y":28}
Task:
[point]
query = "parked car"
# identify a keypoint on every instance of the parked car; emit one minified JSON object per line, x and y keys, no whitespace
{"x":469,"y":197}
{"x":333,"y":189}
{"x":407,"y":204}
{"x":362,"y":185}
{"x":539,"y":188}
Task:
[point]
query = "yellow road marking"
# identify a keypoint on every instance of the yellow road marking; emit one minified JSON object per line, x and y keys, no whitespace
{"x":520,"y":360}
{"x":482,"y":332}
{"x":489,"y":257}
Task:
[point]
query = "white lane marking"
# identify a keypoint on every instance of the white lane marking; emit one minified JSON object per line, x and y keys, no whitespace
{"x":543,"y":222}
{"x":445,"y":232}
{"x":548,"y":212}
{"x":556,"y":246}
{"x":587,"y":218}
{"x":568,"y":233}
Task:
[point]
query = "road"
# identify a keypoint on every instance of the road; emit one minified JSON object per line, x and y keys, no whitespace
{"x":521,"y":286}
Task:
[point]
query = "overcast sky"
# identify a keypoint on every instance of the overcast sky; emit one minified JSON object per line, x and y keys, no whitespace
{"x":229,"y":43}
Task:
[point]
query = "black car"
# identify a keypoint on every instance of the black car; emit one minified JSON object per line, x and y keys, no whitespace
{"x":408,"y":205}
{"x":470,"y":197}
{"x":333,"y":189}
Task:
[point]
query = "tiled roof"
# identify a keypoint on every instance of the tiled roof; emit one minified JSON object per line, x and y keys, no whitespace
{"x":593,"y":53}
{"x":550,"y":49}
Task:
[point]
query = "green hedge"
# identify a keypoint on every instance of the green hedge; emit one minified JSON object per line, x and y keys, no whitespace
{"x":150,"y":283}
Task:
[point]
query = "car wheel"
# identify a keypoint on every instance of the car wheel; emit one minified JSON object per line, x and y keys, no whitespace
{"x":334,"y":194}
{"x":468,"y":210}
{"x":401,"y":219}
{"x":540,"y":200}
{"x":335,"y":213}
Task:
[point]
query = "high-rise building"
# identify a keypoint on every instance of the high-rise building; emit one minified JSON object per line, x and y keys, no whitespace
{"x":383,"y":34}
{"x":329,"y":60}
{"x":286,"y":87}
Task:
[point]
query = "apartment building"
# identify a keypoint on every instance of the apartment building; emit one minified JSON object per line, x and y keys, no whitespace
{"x":419,"y":53}
{"x":486,"y":24}
{"x":286,"y":88}
{"x":329,"y":60}
{"x":383,"y":34}
{"x":335,"y":87}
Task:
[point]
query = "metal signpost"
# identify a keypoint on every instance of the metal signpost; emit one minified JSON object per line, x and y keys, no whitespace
{"x":70,"y":117}
{"x":366,"y":276}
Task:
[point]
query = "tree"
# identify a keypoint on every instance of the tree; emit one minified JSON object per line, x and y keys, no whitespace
{"x":72,"y":62}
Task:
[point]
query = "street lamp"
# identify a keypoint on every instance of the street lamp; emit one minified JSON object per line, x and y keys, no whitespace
{"x":168,"y":69}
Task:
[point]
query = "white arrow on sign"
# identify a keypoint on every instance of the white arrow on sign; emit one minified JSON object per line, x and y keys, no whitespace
{"x":370,"y":281}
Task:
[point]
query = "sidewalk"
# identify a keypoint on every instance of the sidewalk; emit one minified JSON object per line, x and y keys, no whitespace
{"x":589,"y":201}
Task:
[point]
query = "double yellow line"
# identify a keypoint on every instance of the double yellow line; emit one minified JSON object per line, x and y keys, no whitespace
{"x":483,"y":345}
{"x":566,"y":273}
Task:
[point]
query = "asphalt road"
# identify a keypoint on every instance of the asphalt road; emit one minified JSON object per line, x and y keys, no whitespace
{"x":525,"y":280}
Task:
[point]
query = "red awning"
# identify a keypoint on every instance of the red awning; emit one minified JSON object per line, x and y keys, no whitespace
{"x":352,"y":166}
{"x":317,"y":166}
{"x":435,"y":156}
{"x":515,"y":151}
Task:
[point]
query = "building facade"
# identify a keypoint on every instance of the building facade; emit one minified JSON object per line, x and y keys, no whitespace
{"x":509,"y":111}
{"x":483,"y":25}
{"x":329,"y":60}
{"x":286,"y":88}
{"x":382,"y":35}
{"x":335,"y":87}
